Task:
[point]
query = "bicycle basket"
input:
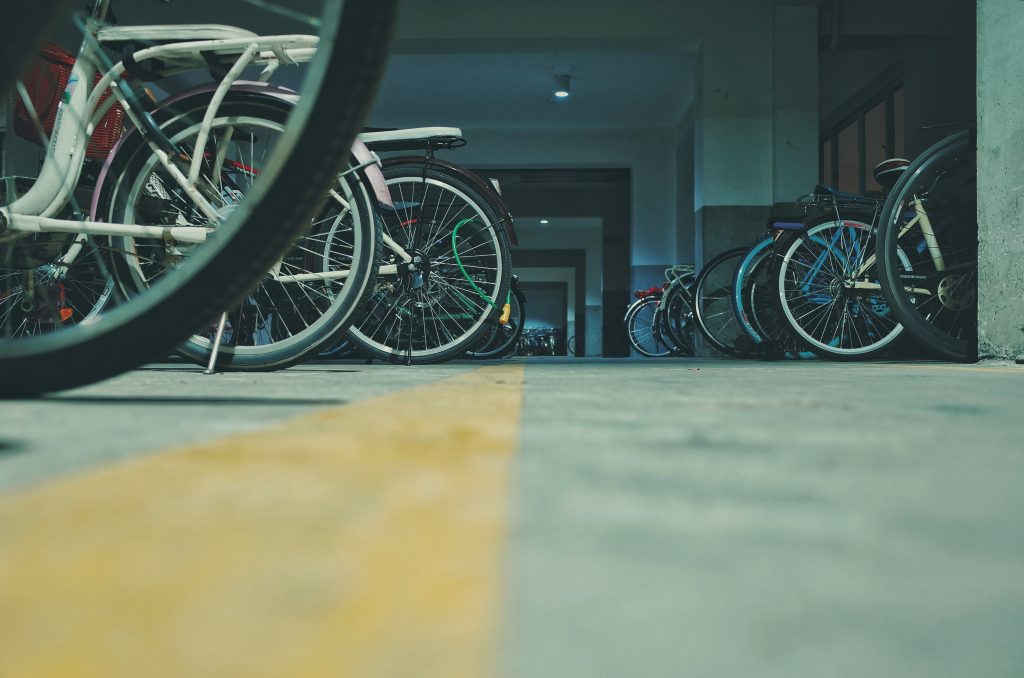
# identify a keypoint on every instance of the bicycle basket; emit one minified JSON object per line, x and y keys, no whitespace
{"x":45,"y":85}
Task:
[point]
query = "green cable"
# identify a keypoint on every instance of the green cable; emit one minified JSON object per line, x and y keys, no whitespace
{"x":458,"y":261}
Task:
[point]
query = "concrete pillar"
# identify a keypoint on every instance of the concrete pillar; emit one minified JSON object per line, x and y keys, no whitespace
{"x":685,"y":225}
{"x":1000,"y":179}
{"x":794,"y":102}
{"x":733,"y":137}
{"x":756,"y":134}
{"x":654,"y":189}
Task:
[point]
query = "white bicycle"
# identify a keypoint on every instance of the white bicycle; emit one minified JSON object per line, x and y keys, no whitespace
{"x":198,"y":201}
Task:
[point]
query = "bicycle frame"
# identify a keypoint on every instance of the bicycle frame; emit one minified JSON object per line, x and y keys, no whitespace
{"x":921,"y":219}
{"x":931,"y":242}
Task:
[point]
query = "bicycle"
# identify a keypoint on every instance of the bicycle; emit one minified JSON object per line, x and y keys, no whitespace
{"x":659,"y":323}
{"x":676,"y":309}
{"x":714,"y":315}
{"x":804,"y":288}
{"x":446,"y":271}
{"x":928,"y":244}
{"x":643,"y":327}
{"x":241,"y":240}
{"x":540,"y":341}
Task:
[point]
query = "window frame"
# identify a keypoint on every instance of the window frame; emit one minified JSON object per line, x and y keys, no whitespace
{"x":855,"y":112}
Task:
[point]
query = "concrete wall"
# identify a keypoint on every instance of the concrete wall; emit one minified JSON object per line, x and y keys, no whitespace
{"x":1000,"y":178}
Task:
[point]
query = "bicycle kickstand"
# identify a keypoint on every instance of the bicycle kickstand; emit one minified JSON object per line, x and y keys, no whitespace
{"x":211,"y":367}
{"x":408,"y":345}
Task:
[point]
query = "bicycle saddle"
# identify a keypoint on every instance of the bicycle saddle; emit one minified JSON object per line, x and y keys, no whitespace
{"x":888,"y":172}
{"x":414,"y":139}
{"x":787,"y":223}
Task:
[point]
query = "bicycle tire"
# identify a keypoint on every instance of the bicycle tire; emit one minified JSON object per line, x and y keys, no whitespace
{"x":676,"y":319}
{"x":321,"y":310}
{"x":500,"y":343}
{"x":755,"y":306}
{"x":340,"y":86}
{"x":395,"y":304}
{"x":645,"y":337}
{"x":742,"y":296}
{"x":485,"y":188}
{"x":807,"y":307}
{"x":713,"y":309}
{"x":960,"y":343}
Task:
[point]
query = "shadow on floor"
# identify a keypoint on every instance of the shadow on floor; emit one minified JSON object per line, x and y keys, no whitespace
{"x":9,"y":447}
{"x":194,"y":369}
{"x":189,"y":400}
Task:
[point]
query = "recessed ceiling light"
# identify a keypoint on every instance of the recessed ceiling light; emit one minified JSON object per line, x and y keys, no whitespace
{"x":561,"y":86}
{"x":544,"y":221}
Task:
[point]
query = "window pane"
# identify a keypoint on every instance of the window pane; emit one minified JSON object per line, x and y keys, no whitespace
{"x":826,"y":161}
{"x":899,"y":121}
{"x":874,"y":144}
{"x":849,"y":159}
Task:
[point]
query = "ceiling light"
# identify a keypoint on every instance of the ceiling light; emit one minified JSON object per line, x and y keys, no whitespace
{"x":561,"y":86}
{"x":544,"y":221}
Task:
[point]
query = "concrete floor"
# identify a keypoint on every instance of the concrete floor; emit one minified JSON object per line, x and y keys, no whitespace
{"x":651,"y":518}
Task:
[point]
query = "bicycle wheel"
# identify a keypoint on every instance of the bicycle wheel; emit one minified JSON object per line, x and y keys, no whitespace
{"x":499,"y":341}
{"x":713,"y":306}
{"x":827,"y":291}
{"x":342,"y":350}
{"x":645,"y":336}
{"x":746,"y":290}
{"x":676,"y":319}
{"x":446,"y":270}
{"x":930,"y":217}
{"x":755,"y":307}
{"x":298,"y":306}
{"x":338,"y":88}
{"x":64,"y":296}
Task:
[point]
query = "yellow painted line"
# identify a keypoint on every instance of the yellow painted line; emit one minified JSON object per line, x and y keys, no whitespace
{"x":356,"y":542}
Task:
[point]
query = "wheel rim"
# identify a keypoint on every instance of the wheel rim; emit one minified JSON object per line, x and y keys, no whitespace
{"x":815,"y":283}
{"x":280,"y":315}
{"x":644,"y":334}
{"x":434,"y":309}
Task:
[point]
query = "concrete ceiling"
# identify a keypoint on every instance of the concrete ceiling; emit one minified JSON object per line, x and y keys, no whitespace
{"x":532,"y":224}
{"x":512,"y":89}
